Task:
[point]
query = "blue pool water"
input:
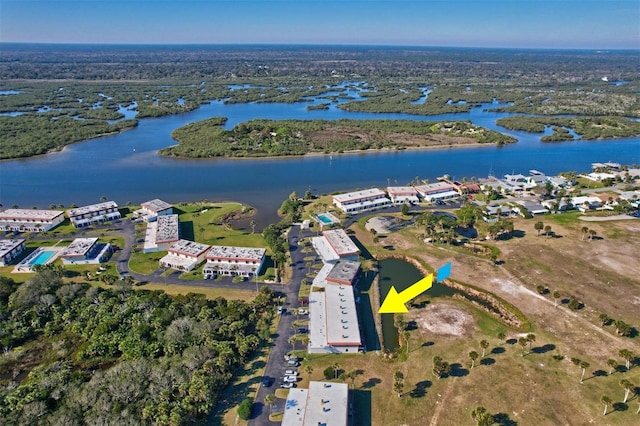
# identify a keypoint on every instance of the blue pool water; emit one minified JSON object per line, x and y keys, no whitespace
{"x":324,"y":219}
{"x":41,"y":258}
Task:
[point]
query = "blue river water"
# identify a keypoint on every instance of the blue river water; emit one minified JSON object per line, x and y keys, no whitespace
{"x":126,"y":167}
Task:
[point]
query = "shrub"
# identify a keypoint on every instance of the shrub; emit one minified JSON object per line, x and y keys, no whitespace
{"x":244,"y":409}
{"x":329,"y":373}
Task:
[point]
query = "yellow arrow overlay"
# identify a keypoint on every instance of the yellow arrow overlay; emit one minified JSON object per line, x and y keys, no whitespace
{"x":394,"y":302}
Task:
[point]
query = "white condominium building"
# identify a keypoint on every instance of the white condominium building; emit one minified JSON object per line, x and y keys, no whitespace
{"x":30,"y":220}
{"x":94,"y":213}
{"x":234,"y":261}
{"x":359,"y":201}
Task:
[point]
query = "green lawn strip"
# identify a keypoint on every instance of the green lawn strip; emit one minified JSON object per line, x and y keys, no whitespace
{"x":145,"y":263}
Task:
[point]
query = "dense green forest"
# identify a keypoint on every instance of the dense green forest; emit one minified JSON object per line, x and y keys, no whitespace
{"x":27,"y":135}
{"x":260,"y":138}
{"x":587,"y":127}
{"x":77,"y":354}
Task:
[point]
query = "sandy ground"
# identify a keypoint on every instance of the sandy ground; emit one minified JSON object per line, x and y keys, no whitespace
{"x":443,"y":319}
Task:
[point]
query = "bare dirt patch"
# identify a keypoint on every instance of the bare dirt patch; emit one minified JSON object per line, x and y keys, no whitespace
{"x":443,"y":319}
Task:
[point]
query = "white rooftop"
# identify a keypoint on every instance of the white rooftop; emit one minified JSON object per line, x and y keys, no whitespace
{"x":167,"y":228}
{"x":434,"y":187}
{"x":7,"y":245}
{"x":353,"y":197}
{"x":340,"y":242}
{"x":323,"y":404}
{"x":401,"y":190}
{"x":30,"y":214}
{"x":343,"y":272}
{"x":236,"y":253}
{"x":156,"y":205}
{"x":79,"y":247}
{"x":93,"y":208}
{"x":340,"y":305}
{"x":188,"y":248}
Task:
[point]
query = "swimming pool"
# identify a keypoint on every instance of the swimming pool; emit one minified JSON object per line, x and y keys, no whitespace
{"x":327,"y":218}
{"x":42,"y":257}
{"x":324,"y":219}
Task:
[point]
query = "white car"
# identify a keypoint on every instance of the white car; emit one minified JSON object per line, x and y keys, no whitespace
{"x":303,"y":312}
{"x":290,"y":379}
{"x":291,"y":373}
{"x":287,"y":385}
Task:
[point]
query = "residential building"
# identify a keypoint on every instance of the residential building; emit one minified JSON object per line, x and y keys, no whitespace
{"x":94,"y":213}
{"x":161,"y":233}
{"x":533,"y":209}
{"x":234,"y":261}
{"x":585,"y":203}
{"x":359,"y":201}
{"x":403,"y":195}
{"x":333,"y":321}
{"x":334,"y":245}
{"x":557,"y":181}
{"x":10,"y":250}
{"x":83,"y":251}
{"x":438,"y":191}
{"x":30,"y":220}
{"x":323,"y":404}
{"x":184,"y":255}
{"x":344,"y":272}
{"x":149,"y":211}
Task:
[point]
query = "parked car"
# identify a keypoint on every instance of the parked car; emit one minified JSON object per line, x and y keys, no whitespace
{"x":292,"y":363}
{"x":303,"y":312}
{"x":302,"y":330}
{"x":282,"y":310}
{"x":290,"y":379}
{"x":288,"y":385}
{"x":291,"y":373}
{"x":266,"y":382}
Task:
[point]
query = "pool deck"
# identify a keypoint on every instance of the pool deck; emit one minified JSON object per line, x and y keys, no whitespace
{"x":25,"y":265}
{"x":326,"y":215}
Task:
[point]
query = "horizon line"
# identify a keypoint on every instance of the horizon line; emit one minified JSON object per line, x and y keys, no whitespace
{"x":284,"y":44}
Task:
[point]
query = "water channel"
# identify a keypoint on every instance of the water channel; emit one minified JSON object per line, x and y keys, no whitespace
{"x":400,"y":274}
{"x":126,"y":167}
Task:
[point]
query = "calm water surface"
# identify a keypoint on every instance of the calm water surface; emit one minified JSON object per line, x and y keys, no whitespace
{"x":126,"y":167}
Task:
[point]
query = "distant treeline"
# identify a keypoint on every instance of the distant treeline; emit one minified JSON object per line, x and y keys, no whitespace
{"x":586,"y":127}
{"x":261,"y":138}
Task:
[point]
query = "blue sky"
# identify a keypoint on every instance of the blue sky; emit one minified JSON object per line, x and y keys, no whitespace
{"x":596,"y":24}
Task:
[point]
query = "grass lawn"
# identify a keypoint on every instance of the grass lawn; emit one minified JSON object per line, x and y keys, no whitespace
{"x":210,"y":293}
{"x":145,"y":263}
{"x":202,"y":221}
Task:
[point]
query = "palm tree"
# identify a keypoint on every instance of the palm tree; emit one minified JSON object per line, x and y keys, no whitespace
{"x":606,"y":401}
{"x":547,"y":231}
{"x":592,"y":234}
{"x":539,"y":226}
{"x":398,"y":382}
{"x":309,"y":369}
{"x":628,"y":388}
{"x":585,"y":231}
{"x":604,"y":319}
{"x":612,"y":363}
{"x":556,"y":296}
{"x":482,"y":416}
{"x":627,"y":355}
{"x":473,"y":355}
{"x":531,"y":338}
{"x":584,"y":365}
{"x":501,"y":336}
{"x":253,"y":226}
{"x":335,"y":366}
{"x":523,"y":342}
{"x":484,"y":345}
{"x":269,"y":400}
